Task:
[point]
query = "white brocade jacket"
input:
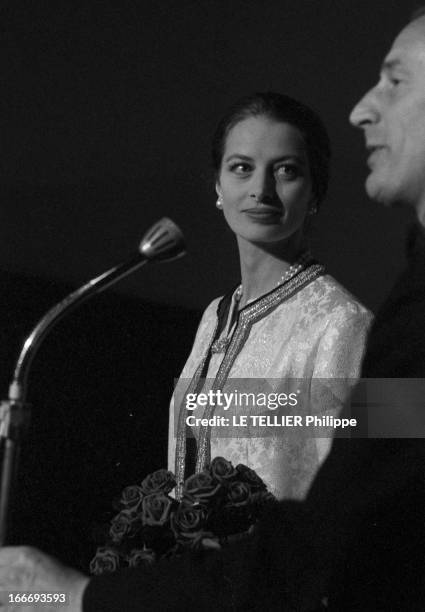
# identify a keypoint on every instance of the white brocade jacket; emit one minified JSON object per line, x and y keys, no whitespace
{"x":310,"y":329}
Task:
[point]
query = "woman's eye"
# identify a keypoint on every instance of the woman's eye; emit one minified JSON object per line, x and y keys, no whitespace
{"x":288,"y":171}
{"x":240,"y":168}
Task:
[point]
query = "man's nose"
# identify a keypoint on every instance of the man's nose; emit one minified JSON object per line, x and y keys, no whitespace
{"x":366,"y":110}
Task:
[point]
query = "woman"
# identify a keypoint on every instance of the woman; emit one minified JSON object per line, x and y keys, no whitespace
{"x":287,"y":320}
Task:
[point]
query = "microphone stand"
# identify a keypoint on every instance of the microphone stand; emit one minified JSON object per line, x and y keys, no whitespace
{"x":163,"y":242}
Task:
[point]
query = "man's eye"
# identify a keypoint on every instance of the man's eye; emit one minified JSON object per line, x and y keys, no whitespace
{"x":287,"y":171}
{"x":395,"y":79}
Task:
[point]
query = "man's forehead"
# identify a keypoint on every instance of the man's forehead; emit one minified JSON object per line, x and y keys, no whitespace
{"x":408,"y":46}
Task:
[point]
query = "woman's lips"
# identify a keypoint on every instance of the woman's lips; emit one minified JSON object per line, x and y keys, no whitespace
{"x":262,"y":216}
{"x":263,"y":212}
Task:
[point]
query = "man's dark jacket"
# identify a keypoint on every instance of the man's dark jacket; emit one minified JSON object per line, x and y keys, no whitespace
{"x":358,"y":541}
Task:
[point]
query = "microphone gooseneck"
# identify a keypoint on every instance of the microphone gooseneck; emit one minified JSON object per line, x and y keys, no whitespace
{"x":162,"y":242}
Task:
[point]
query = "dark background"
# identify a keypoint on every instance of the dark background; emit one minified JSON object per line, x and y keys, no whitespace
{"x":106,"y":114}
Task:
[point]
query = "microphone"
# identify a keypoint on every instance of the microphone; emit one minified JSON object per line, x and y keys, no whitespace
{"x":162,"y":242}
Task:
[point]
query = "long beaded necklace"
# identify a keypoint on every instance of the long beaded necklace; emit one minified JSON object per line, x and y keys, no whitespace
{"x":221,"y":344}
{"x":292,"y":271}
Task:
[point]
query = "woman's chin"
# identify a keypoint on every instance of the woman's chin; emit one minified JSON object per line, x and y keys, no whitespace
{"x":270,"y":236}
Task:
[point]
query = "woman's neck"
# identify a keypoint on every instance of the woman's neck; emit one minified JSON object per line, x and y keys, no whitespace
{"x":263,"y":266}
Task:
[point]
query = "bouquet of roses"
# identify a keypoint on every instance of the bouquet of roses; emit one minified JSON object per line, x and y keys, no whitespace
{"x":219,"y":502}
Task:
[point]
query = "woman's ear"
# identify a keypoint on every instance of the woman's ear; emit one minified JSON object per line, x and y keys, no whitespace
{"x":219,"y":202}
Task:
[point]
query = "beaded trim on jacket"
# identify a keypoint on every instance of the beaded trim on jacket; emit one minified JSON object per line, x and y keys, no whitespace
{"x":246,"y":318}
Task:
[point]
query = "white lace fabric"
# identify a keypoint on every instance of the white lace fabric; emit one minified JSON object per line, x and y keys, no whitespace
{"x":316,"y":334}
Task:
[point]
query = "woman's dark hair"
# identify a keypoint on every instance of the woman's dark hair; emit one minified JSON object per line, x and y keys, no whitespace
{"x":284,"y":109}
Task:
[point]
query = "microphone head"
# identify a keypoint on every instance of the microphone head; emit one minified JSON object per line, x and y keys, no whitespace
{"x":163,"y":241}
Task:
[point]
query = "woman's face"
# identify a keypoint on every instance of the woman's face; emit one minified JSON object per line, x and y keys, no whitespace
{"x":266,"y":159}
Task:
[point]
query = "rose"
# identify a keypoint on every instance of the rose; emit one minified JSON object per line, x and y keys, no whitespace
{"x":219,"y":502}
{"x":124,"y":523}
{"x":160,"y":481}
{"x":131,"y":497}
{"x":250,"y":477}
{"x":201,"y":487}
{"x":222,"y":470}
{"x":189,"y":520}
{"x":238,"y":494}
{"x":140,"y":557}
{"x":106,"y":560}
{"x":156,"y":509}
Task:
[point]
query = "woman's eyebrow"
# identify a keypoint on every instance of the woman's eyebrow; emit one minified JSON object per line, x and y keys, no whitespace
{"x":238,"y":156}
{"x":292,"y":156}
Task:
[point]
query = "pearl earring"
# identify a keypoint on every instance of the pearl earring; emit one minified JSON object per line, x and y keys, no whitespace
{"x":219,"y":202}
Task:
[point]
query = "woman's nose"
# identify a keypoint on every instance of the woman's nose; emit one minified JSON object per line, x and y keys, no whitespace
{"x":263,"y":187}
